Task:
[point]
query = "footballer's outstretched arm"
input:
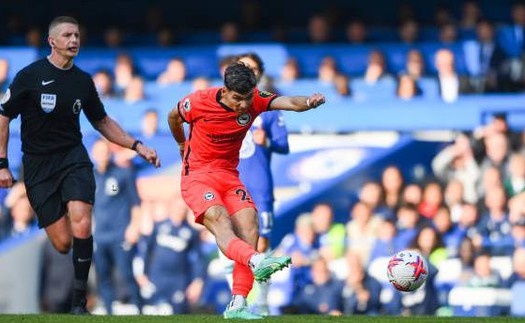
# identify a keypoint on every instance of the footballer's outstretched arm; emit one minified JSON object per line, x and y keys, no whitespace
{"x":297,"y":103}
{"x":175,"y":122}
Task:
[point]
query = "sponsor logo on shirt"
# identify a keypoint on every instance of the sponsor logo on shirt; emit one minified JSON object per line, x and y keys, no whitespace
{"x":208,"y":196}
{"x":48,"y":102}
{"x":187,"y":105}
{"x":77,"y":106}
{"x":265,"y":94}
{"x":244,"y":119}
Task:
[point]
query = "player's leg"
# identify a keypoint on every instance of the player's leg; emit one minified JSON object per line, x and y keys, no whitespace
{"x":60,"y":235}
{"x":78,"y":192}
{"x":80,"y":216}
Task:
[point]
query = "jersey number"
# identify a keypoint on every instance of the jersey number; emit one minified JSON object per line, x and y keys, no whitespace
{"x":243,"y":194}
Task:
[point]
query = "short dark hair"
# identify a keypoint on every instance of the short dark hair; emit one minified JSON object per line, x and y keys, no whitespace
{"x":60,"y":20}
{"x":256,"y":58}
{"x":239,"y":78}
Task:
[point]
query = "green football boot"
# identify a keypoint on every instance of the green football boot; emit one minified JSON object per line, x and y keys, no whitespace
{"x":241,"y":313}
{"x":270,"y":265}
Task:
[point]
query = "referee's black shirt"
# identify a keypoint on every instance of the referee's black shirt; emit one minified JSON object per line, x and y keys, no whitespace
{"x":49,"y":100}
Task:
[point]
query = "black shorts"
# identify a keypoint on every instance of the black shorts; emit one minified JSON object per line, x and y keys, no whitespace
{"x":53,"y":180}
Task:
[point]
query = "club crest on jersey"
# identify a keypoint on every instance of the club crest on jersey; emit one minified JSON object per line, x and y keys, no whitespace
{"x":244,"y":119}
{"x":77,"y":106}
{"x":48,"y":102}
{"x":208,"y":196}
{"x":187,"y":105}
{"x":265,"y":94}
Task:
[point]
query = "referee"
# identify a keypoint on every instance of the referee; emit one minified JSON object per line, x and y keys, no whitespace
{"x":49,"y":95}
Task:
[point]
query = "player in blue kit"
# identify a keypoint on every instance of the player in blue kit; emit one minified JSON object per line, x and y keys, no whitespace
{"x":267,"y":135}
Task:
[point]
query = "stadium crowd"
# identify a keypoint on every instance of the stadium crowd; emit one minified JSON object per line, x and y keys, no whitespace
{"x":470,"y":213}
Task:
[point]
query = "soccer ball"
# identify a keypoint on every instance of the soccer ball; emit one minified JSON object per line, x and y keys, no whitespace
{"x":407,"y":270}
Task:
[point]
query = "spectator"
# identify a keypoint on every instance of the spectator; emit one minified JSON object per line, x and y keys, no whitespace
{"x":362,"y":231}
{"x":412,"y":194}
{"x":290,"y":71}
{"x":135,"y":91}
{"x":330,"y":236}
{"x":518,"y":232}
{"x":448,"y":33}
{"x":494,"y":226}
{"x":319,"y":30}
{"x":175,"y":72}
{"x":469,"y":221}
{"x":154,"y":19}
{"x":117,"y":217}
{"x":490,"y":57}
{"x":323,"y":295}
{"x":300,"y":245}
{"x":356,"y":32}
{"x":150,"y":124}
{"x":4,"y":69}
{"x":518,"y":19}
{"x":483,"y":275}
{"x":497,"y":124}
{"x":497,"y":153}
{"x":451,"y":85}
{"x":104,"y":84}
{"x":342,"y":85}
{"x":386,"y":243}
{"x":56,"y":280}
{"x":372,"y":195}
{"x":518,"y":261}
{"x":453,"y":198}
{"x":392,"y":182}
{"x":230,"y":32}
{"x":170,"y":266}
{"x":113,"y":37}
{"x":124,"y":72}
{"x":451,"y":234}
{"x":408,"y":223}
{"x":429,"y":242}
{"x":515,"y":182}
{"x":517,"y":208}
{"x":471,"y":14}
{"x":457,"y":162}
{"x":376,"y":68}
{"x":442,"y":15}
{"x":490,"y":180}
{"x":200,"y":83}
{"x":327,"y":70}
{"x":432,"y":200}
{"x":224,"y":62}
{"x":408,"y":31}
{"x":361,"y":292}
{"x":22,"y":215}
{"x":165,"y":37}
{"x":415,"y":65}
{"x":406,"y":88}
{"x":34,"y":37}
{"x":467,"y":253}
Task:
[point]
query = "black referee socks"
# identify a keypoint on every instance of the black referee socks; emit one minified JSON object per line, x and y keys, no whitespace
{"x":82,"y":254}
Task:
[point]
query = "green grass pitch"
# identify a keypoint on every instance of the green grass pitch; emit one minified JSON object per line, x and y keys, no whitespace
{"x":217,"y":318}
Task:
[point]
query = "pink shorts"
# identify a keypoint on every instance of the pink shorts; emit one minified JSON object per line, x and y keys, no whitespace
{"x":204,"y":190}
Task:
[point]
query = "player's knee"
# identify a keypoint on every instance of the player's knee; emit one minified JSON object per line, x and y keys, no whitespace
{"x":62,"y":244}
{"x":82,"y":228}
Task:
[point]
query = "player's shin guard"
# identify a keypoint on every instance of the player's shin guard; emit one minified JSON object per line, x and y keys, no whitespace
{"x":242,"y":280}
{"x":239,"y":251}
{"x":82,"y":254}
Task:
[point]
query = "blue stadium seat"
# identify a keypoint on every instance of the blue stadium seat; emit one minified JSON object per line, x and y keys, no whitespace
{"x":429,"y":87}
{"x":93,"y":60}
{"x":381,"y":90}
{"x":18,"y":58}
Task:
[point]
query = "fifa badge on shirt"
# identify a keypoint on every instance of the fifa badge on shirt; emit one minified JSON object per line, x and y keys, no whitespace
{"x":244,"y":119}
{"x":48,"y":102}
{"x":77,"y":106}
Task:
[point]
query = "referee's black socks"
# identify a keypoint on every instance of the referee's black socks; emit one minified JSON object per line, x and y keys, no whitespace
{"x":82,"y":254}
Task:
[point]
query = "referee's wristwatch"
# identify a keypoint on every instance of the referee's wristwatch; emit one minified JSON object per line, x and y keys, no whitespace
{"x":135,"y":144}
